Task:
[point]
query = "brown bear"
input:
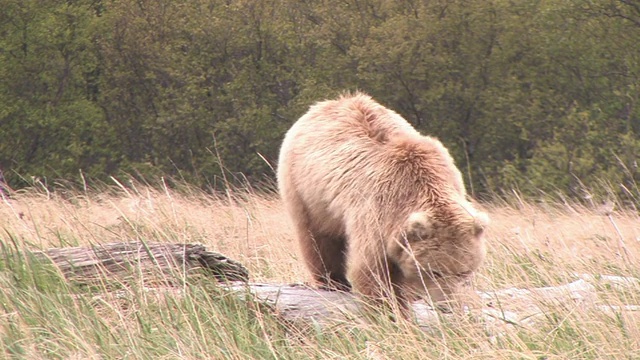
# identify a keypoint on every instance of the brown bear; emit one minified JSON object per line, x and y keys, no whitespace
{"x":377,"y":205}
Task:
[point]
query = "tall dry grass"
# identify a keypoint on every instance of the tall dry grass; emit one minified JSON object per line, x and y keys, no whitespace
{"x":250,"y":228}
{"x":529,"y":245}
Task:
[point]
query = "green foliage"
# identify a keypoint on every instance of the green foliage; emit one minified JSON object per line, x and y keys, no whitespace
{"x":533,"y":95}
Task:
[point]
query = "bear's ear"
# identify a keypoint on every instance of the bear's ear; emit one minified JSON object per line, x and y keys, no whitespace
{"x":480,"y":223}
{"x":418,"y":226}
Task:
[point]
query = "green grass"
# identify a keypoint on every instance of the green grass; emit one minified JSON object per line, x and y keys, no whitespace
{"x":45,"y":316}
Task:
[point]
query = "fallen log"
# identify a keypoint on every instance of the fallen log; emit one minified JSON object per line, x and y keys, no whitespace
{"x":499,"y":309}
{"x":297,"y":302}
{"x":121,"y":260}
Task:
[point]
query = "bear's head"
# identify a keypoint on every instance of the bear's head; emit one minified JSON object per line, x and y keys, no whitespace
{"x":440,"y":248}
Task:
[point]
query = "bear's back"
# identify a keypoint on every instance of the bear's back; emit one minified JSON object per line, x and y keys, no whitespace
{"x":347,"y":151}
{"x":356,"y":116}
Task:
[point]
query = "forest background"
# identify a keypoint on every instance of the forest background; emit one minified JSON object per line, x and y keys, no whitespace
{"x":534,"y":95}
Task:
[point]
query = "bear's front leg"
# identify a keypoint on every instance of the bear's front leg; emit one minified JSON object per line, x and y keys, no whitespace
{"x":380,"y":282}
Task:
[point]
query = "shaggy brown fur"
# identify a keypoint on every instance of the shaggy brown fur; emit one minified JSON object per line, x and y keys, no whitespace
{"x":375,"y":202}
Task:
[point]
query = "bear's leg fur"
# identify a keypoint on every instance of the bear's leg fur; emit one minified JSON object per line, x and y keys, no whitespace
{"x":324,"y":254}
{"x":326,"y":259}
{"x":378,"y":280}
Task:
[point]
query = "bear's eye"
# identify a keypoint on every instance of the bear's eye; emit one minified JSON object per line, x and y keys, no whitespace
{"x":464,"y":274}
{"x":436,"y":275}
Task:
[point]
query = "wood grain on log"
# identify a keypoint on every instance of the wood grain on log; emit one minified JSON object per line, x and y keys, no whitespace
{"x":89,"y":264}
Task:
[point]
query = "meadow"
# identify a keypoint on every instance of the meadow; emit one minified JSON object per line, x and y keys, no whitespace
{"x":530,"y":244}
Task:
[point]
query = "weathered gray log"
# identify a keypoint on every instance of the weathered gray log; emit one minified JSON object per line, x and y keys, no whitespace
{"x":122,"y":260}
{"x":498,"y":309}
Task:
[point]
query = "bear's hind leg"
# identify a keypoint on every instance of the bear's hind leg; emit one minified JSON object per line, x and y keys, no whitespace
{"x":326,"y":259}
{"x":323,"y":249}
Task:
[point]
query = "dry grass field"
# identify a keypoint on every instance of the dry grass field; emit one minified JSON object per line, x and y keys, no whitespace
{"x":529,"y":245}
